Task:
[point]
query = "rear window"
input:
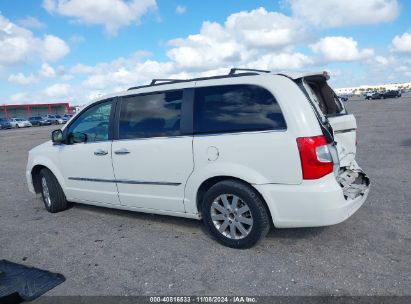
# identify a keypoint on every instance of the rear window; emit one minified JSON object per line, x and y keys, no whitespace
{"x":236,"y":108}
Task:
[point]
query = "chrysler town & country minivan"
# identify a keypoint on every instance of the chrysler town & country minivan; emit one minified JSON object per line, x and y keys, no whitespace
{"x":242,"y":152}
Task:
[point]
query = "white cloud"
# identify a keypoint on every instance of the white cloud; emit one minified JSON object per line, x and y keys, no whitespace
{"x":402,"y":44}
{"x":260,"y":28}
{"x":31,"y":22}
{"x":54,"y":48}
{"x":128,"y":73}
{"x":282,"y":61}
{"x":47,"y":71}
{"x":20,"y":97}
{"x":333,"y":13}
{"x":81,"y":69}
{"x":19,"y":45}
{"x":112,"y":14}
{"x":209,"y":49}
{"x":21,"y":79}
{"x":58,"y":90}
{"x":381,"y":60}
{"x":243,"y":37}
{"x":338,"y":48}
{"x":180,"y":9}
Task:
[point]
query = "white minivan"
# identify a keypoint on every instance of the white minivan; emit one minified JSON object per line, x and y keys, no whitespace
{"x":241,"y":151}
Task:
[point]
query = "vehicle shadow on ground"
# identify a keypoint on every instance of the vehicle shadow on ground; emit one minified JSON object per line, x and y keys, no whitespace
{"x":274,"y":233}
{"x":149,"y":217}
{"x":295,"y":233}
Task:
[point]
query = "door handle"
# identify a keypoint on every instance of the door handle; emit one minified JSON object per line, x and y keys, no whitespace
{"x":100,"y":152}
{"x":122,"y":151}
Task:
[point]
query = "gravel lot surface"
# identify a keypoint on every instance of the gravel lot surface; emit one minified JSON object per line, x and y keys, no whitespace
{"x":108,"y":252}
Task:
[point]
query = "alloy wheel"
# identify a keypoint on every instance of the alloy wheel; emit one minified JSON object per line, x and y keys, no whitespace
{"x":231,"y":216}
{"x":46,"y":193}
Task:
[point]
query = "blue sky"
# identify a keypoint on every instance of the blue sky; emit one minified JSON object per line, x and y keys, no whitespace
{"x":77,"y":50}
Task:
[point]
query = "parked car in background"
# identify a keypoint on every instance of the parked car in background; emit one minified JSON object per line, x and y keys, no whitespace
{"x":53,"y":119}
{"x":20,"y":123}
{"x":343,"y":97}
{"x":373,"y":95}
{"x":5,"y":123}
{"x":243,"y":152}
{"x":39,"y":121}
{"x":68,"y":116}
{"x":64,"y":119}
{"x":391,"y":94}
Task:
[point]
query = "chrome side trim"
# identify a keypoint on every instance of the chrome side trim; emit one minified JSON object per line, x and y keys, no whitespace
{"x":123,"y":181}
{"x":84,"y":179}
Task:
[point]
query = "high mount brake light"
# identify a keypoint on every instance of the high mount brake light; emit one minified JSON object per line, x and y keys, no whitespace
{"x":316,"y":160}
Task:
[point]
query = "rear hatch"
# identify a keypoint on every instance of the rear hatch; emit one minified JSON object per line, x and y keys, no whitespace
{"x":340,"y":128}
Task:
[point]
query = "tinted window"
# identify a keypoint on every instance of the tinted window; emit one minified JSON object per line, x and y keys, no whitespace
{"x":150,"y":115}
{"x":236,"y":108}
{"x":94,"y":122}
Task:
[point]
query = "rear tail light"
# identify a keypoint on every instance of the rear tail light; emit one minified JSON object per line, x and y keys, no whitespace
{"x":316,"y":160}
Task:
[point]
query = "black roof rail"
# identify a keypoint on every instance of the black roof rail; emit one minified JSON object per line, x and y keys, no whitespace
{"x":233,"y":70}
{"x":154,"y":81}
{"x":157,"y":82}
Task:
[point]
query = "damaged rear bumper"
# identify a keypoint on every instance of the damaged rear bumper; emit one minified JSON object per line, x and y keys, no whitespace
{"x":353,"y":181}
{"x":313,"y":203}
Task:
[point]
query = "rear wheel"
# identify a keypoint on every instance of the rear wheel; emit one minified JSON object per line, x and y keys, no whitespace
{"x":235,"y":215}
{"x":52,"y":194}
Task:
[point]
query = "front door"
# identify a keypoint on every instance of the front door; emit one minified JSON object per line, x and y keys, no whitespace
{"x":86,"y":156}
{"x":152,"y":159}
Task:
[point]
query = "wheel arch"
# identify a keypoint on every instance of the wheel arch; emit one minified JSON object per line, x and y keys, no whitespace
{"x":35,"y":175}
{"x":208,"y":183}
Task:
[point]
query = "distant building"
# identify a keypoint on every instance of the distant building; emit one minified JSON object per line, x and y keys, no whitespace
{"x":380,"y":87}
{"x":27,"y":110}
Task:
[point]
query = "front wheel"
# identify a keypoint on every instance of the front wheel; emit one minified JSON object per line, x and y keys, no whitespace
{"x":235,"y":215}
{"x":52,"y":194}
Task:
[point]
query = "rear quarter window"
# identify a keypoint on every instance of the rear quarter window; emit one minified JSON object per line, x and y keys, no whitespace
{"x":236,"y":108}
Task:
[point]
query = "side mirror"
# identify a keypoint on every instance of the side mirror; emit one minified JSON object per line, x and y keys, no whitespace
{"x":78,"y":137}
{"x":57,"y":137}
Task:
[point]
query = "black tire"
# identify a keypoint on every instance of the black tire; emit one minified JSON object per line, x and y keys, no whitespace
{"x":247,"y":195}
{"x":57,"y":201}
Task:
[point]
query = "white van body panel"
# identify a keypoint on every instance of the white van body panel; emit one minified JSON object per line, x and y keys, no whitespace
{"x":166,"y":161}
{"x":79,"y":162}
{"x":45,"y":155}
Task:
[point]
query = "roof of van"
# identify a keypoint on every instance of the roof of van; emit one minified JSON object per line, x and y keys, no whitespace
{"x":245,"y":72}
